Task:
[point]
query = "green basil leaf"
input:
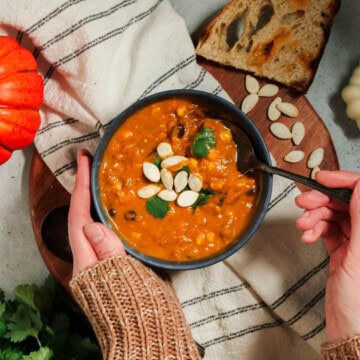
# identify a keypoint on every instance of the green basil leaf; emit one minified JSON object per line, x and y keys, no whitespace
{"x":184,"y":168}
{"x":157,"y":207}
{"x":204,"y":139}
{"x":157,"y":161}
{"x":204,"y":195}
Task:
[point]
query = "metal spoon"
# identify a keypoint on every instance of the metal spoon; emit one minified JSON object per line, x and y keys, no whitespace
{"x":248,"y":161}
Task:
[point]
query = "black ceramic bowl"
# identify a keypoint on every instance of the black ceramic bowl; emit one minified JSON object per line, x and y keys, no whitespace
{"x":220,"y":109}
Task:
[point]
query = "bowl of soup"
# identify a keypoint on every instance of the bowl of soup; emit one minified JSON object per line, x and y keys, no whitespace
{"x":165,"y":178}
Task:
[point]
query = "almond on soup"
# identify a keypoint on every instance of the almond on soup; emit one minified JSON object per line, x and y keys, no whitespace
{"x":170,"y":185}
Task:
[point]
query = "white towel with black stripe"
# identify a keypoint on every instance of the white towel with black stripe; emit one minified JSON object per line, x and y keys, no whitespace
{"x":98,"y":57}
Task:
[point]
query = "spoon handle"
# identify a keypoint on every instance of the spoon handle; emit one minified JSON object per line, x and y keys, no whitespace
{"x":341,"y":194}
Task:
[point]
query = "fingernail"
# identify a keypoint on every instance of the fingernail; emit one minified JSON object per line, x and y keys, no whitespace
{"x":308,"y":235}
{"x":94,"y":233}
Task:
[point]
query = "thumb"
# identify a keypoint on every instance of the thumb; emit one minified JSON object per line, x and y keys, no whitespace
{"x":103,"y":240}
{"x":355,"y":220}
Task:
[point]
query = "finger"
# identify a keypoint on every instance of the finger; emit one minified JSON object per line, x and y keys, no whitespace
{"x":355,"y":221}
{"x":81,"y":196}
{"x":79,"y":215}
{"x":103,"y":240}
{"x":330,"y":233}
{"x":311,"y":217}
{"x":314,"y":199}
{"x":342,"y":178}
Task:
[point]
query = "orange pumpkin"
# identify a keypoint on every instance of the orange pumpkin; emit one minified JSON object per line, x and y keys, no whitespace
{"x":21,"y":96}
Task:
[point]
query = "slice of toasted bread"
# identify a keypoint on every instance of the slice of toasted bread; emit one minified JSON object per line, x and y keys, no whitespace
{"x":281,"y":40}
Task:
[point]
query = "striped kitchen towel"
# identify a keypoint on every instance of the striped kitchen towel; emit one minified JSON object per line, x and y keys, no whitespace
{"x":98,"y":57}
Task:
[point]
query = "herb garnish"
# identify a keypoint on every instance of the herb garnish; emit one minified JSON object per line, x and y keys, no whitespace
{"x":157,"y":161}
{"x":203,"y":141}
{"x":157,"y":207}
{"x":204,"y":195}
{"x":184,"y":168}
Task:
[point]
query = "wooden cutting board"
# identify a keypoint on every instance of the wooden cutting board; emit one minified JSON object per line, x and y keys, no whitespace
{"x":47,"y":194}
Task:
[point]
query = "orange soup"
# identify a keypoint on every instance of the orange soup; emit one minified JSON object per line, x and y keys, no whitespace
{"x":170,"y":185}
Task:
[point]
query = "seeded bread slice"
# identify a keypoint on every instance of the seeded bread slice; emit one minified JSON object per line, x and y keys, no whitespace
{"x":281,"y":40}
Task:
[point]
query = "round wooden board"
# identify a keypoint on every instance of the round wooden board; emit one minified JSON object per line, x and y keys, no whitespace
{"x":46,"y":193}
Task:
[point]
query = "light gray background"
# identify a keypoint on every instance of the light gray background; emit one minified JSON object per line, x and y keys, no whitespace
{"x":20,"y":261}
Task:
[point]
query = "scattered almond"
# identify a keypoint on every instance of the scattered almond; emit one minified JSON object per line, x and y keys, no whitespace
{"x":281,"y":131}
{"x":164,"y":150}
{"x":251,"y":84}
{"x":249,"y":102}
{"x":151,"y":171}
{"x":187,"y":198}
{"x":298,"y":132}
{"x":148,"y":191}
{"x":167,"y":195}
{"x":180,"y":181}
{"x":315,"y":158}
{"x":314,"y":171}
{"x":288,"y":109}
{"x":172,"y":161}
{"x":294,"y":156}
{"x":167,"y":179}
{"x":273,"y":113}
{"x":268,"y":90}
{"x":195,"y":182}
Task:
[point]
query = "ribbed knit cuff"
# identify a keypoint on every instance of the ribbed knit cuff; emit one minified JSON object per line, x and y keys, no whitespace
{"x":135,"y":314}
{"x":346,"y":349}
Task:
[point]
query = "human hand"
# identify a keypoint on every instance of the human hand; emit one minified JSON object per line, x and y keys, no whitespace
{"x":339,"y":226}
{"x":89,"y":241}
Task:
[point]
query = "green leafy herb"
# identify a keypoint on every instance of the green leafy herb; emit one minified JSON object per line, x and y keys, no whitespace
{"x":203,"y":141}
{"x":157,"y":161}
{"x":43,"y":353}
{"x":42,"y":323}
{"x":184,"y":168}
{"x":157,"y":207}
{"x":204,"y":195}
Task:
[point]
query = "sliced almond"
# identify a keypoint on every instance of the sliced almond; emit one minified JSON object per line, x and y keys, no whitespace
{"x":164,"y":150}
{"x":294,"y":156}
{"x":273,"y":113}
{"x":167,"y":179}
{"x":298,"y":132}
{"x":180,"y":181}
{"x":252,"y":86}
{"x":280,"y":130}
{"x":167,"y":195}
{"x":288,"y":109}
{"x":187,"y":198}
{"x":314,"y":171}
{"x":315,"y":158}
{"x":268,"y":90}
{"x":195,"y":182}
{"x":151,"y":171}
{"x":249,"y":102}
{"x":148,"y":191}
{"x":172,"y":161}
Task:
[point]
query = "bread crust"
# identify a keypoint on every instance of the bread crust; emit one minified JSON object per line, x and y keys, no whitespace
{"x":281,"y":40}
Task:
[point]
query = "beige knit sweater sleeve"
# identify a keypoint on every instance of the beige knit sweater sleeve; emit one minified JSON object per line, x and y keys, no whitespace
{"x":135,"y":314}
{"x":346,"y":349}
